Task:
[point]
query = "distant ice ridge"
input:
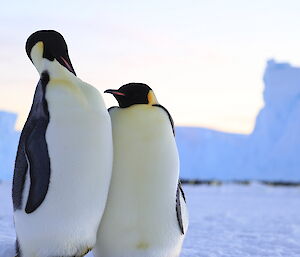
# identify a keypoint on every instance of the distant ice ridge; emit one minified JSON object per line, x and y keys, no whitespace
{"x":8,"y":144}
{"x":270,"y":152}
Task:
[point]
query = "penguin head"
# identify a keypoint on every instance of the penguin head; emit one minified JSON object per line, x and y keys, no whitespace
{"x":133,"y":93}
{"x":48,"y":45}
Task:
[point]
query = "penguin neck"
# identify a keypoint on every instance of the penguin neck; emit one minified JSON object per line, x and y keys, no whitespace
{"x":55,"y":70}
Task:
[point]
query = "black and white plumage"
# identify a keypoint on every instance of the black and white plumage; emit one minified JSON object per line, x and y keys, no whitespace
{"x":33,"y":151}
{"x":63,"y":164}
{"x":146,"y":214}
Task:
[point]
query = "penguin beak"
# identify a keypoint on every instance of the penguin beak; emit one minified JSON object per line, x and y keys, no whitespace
{"x":114,"y":92}
{"x":66,"y":64}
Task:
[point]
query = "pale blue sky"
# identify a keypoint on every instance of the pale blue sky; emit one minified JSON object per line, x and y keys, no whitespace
{"x":204,"y":59}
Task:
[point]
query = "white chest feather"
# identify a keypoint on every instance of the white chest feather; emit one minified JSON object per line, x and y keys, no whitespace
{"x":140,"y":217}
{"x":79,"y":144}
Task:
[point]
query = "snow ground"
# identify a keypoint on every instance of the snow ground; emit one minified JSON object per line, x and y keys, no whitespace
{"x":225,"y":221}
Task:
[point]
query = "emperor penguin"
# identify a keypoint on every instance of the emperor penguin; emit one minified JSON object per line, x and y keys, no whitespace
{"x":146,"y":213}
{"x":64,"y":158}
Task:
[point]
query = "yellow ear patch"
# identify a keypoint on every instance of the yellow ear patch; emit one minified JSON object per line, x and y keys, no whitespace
{"x":152,"y":98}
{"x":36,"y":55}
{"x":37,"y":50}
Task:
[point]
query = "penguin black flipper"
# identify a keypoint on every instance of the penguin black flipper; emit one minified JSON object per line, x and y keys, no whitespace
{"x":179,"y":193}
{"x":33,"y":153}
{"x":20,"y":171}
{"x":181,"y":190}
{"x":17,"y":248}
{"x":39,"y":166}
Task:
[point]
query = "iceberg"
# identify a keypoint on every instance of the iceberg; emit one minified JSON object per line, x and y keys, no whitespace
{"x":9,"y":138}
{"x":270,"y":152}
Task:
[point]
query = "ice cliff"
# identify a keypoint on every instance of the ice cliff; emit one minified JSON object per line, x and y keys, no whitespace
{"x":270,"y":152}
{"x":8,"y":143}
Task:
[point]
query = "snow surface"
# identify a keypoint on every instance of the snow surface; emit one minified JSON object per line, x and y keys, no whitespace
{"x":225,"y":221}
